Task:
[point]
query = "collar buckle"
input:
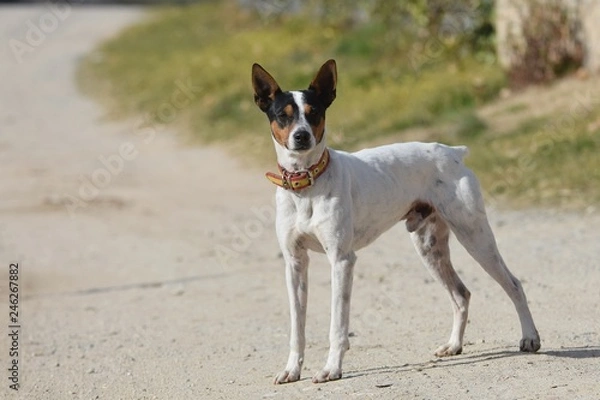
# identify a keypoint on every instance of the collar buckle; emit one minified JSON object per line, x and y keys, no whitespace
{"x":311,"y":177}
{"x":297,"y":181}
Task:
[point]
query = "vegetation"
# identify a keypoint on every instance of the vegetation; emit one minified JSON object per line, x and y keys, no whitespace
{"x":551,"y":44}
{"x":542,"y":162}
{"x":397,"y":81}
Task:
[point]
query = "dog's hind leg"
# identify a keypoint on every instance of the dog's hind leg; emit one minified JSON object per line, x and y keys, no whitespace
{"x":430,"y":238}
{"x":467,"y":219}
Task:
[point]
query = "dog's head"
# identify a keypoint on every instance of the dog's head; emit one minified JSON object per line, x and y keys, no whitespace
{"x":297,"y":118}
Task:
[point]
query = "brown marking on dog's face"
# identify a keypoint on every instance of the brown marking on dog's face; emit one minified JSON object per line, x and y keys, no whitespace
{"x":283,"y":116}
{"x":281,"y":133}
{"x":319,"y":130}
{"x":289,"y":110}
{"x":316,"y":120}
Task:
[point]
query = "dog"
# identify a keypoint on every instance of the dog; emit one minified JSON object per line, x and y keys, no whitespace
{"x":336,"y":203}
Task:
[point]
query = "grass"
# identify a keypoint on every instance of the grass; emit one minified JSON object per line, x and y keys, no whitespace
{"x":541,"y":163}
{"x":383,"y":94}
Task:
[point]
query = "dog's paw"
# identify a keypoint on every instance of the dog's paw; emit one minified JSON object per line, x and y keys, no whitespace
{"x":287,"y":376}
{"x":327,"y":375}
{"x":530,"y":345}
{"x":448,"y":350}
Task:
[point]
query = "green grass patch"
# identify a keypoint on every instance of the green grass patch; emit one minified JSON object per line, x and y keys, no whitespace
{"x":469,"y":127}
{"x":541,"y":163}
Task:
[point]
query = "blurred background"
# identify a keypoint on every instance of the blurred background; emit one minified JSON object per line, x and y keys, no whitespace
{"x":514,"y":80}
{"x":450,"y":71}
{"x":150,"y":267}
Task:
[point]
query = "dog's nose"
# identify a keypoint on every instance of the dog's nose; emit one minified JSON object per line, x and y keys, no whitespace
{"x":301,"y":138}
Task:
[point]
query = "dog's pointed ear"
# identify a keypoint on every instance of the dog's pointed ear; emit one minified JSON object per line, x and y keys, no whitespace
{"x":325,"y":82}
{"x":265,"y":87}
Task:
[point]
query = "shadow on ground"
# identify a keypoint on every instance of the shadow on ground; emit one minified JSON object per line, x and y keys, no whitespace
{"x":494,"y":354}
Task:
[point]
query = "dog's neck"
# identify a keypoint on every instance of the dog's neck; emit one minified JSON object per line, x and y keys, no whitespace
{"x":296,"y":161}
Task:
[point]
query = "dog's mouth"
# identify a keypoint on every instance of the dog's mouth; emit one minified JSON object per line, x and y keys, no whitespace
{"x":301,"y":147}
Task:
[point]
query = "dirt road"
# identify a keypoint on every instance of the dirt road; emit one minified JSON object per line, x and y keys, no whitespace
{"x":148,"y":268}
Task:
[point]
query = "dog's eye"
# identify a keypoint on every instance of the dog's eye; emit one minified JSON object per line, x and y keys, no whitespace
{"x":284,"y":117}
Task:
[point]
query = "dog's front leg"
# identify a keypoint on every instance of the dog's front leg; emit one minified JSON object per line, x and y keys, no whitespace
{"x":296,"y":275}
{"x":342,"y":271}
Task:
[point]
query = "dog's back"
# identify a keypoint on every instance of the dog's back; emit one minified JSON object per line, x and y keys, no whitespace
{"x":420,"y":158}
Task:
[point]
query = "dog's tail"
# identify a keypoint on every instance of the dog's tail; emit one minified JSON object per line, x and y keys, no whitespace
{"x":462,"y":151}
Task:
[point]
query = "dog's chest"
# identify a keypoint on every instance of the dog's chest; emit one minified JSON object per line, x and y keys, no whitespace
{"x":303,"y":217}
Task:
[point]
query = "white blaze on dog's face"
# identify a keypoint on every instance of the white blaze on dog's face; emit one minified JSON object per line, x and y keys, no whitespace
{"x":297,"y":118}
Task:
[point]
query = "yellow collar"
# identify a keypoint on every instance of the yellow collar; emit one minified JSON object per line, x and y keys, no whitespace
{"x":296,"y":181}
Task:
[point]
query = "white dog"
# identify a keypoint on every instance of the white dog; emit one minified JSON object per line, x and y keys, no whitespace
{"x":336,"y":202}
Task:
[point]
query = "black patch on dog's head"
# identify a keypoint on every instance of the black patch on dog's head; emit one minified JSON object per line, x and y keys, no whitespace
{"x":283,"y":111}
